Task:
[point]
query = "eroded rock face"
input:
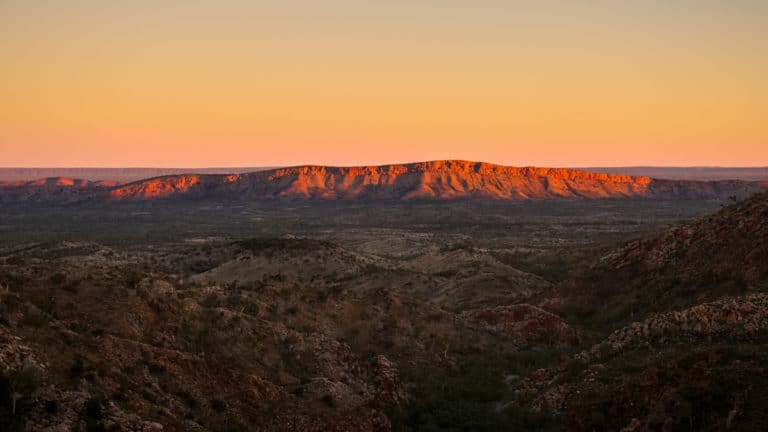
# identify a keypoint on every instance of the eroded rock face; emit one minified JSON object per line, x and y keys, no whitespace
{"x":525,"y":323}
{"x":161,"y":187}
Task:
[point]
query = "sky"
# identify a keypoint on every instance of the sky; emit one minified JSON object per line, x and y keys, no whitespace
{"x":204,"y":83}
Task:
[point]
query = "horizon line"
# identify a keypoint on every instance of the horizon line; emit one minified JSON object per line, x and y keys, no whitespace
{"x":220,"y":167}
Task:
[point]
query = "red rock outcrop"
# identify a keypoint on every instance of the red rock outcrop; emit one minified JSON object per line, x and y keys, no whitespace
{"x":524,"y":323}
{"x":387,"y":380}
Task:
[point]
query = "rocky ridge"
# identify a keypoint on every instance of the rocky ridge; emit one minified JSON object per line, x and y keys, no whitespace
{"x":646,"y":370}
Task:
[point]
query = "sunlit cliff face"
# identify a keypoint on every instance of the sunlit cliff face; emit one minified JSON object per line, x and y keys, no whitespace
{"x":158,"y":187}
{"x":427,"y":180}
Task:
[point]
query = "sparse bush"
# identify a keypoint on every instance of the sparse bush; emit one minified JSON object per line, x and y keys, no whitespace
{"x":132,"y":279}
{"x":58,"y":278}
{"x":72,"y":286}
{"x":93,"y":408}
{"x":14,"y":260}
{"x":17,"y":386}
{"x":34,"y":319}
{"x":211,"y":301}
{"x":77,"y":370}
{"x":328,"y":401}
{"x":218,"y":405}
{"x":51,"y":406}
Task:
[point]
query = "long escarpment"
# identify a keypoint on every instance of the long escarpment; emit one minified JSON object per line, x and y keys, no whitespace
{"x":437,"y":180}
{"x":426,"y":181}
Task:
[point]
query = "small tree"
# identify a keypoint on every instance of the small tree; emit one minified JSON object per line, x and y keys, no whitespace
{"x":22,"y":383}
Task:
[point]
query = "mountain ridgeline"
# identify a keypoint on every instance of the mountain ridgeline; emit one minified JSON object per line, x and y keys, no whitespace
{"x":437,"y":180}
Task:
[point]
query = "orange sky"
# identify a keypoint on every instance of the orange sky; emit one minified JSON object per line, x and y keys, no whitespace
{"x":243,"y":83}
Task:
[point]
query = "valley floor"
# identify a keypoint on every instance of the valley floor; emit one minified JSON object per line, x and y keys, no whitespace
{"x":302,"y":316}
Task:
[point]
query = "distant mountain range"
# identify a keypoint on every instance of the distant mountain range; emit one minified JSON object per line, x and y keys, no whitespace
{"x":690,"y":173}
{"x":122,"y":175}
{"x":436,"y":180}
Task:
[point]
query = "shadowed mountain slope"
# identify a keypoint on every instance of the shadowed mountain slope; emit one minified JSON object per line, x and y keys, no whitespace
{"x":719,"y":255}
{"x":680,"y":320}
{"x":58,"y":189}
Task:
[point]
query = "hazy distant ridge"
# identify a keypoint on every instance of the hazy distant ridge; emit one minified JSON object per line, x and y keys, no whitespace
{"x":114,"y":174}
{"x":689,"y":173}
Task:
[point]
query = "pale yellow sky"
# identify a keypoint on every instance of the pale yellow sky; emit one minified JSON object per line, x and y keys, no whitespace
{"x":243,"y":83}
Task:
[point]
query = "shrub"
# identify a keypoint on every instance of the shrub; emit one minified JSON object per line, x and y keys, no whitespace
{"x":132,"y":279}
{"x":58,"y":278}
{"x":35,"y":320}
{"x":72,"y":287}
{"x":218,"y":405}
{"x":77,"y":370}
{"x":93,"y":409}
{"x":51,"y":406}
{"x":16,"y":386}
{"x":14,"y":260}
{"x":210,"y":301}
{"x":328,"y":401}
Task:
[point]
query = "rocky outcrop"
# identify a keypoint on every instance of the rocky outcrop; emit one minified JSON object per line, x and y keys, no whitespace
{"x":524,"y":323}
{"x":661,"y":372}
{"x":733,"y":318}
{"x":387,"y":380}
{"x":14,"y":354}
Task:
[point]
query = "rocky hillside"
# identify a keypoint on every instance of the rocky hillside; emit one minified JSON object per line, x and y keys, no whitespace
{"x":700,"y":368}
{"x":680,"y":329}
{"x":722,"y":254}
{"x":437,"y":180}
{"x":264,"y":334}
